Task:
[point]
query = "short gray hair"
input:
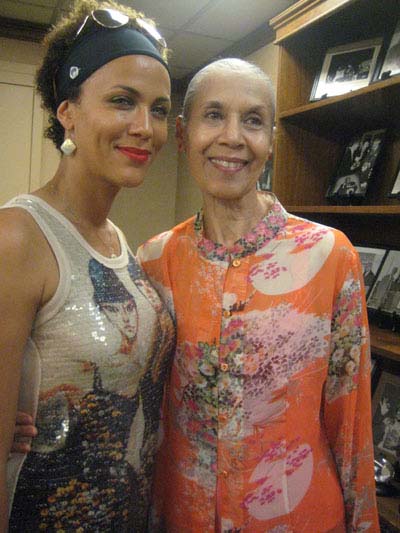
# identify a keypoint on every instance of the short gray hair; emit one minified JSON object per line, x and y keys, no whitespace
{"x":220,"y":65}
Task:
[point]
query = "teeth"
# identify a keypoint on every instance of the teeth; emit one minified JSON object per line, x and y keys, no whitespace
{"x":228,"y":164}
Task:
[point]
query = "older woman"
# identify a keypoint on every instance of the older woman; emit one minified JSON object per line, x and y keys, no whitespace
{"x":86,"y":339}
{"x":267,"y":426}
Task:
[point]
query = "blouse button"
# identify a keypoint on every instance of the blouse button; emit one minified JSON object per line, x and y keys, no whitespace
{"x":224,"y":367}
{"x":236,"y":262}
{"x":227,"y":313}
{"x":223,"y":473}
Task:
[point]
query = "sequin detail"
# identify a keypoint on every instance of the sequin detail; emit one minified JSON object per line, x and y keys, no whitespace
{"x":104,"y":356}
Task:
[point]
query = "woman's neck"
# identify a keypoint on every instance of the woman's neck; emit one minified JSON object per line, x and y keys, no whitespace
{"x":226,"y":221}
{"x":79,"y":199}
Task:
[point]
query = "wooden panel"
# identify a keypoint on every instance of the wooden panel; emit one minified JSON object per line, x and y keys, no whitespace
{"x":377,"y":105}
{"x":304,"y":163}
{"x":350,"y":210}
{"x":311,"y":137}
{"x":389,"y":509}
{"x":295,"y":78}
{"x":362,"y":229}
{"x":302,"y":14}
{"x":16,"y":114}
{"x":384,"y":342}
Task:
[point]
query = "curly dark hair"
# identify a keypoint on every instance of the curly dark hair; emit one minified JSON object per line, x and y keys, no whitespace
{"x":57,"y":46}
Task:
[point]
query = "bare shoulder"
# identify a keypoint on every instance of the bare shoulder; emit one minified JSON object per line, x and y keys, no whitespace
{"x":17,"y":228}
{"x":23,"y":249}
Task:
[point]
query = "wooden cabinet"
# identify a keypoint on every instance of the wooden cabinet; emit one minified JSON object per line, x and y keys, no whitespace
{"x":311,"y":136}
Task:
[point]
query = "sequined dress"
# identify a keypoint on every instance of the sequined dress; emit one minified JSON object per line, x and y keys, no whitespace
{"x":94,"y":372}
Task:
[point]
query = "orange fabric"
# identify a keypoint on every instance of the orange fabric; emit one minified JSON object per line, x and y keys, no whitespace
{"x":267,"y":424}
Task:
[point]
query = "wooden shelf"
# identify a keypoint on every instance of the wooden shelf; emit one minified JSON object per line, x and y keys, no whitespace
{"x":377,"y":105}
{"x":347,"y":210}
{"x":311,"y":137}
{"x":389,"y":509}
{"x":385,"y":343}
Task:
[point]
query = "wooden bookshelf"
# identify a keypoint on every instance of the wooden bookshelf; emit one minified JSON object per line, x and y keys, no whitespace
{"x":311,"y":137}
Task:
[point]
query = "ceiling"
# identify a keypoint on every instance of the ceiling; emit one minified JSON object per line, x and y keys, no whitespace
{"x":196,"y":30}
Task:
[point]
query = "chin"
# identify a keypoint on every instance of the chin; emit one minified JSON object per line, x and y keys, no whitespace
{"x":231,"y":194}
{"x":130,"y":181}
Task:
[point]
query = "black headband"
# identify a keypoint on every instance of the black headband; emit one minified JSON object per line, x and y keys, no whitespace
{"x":97,"y":48}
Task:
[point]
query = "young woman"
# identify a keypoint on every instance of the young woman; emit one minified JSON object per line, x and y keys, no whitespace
{"x":267,"y":424}
{"x":86,"y":340}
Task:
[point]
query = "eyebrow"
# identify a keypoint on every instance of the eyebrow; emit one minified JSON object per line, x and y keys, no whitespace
{"x":213,"y":103}
{"x":253,"y":109}
{"x":135,"y":92}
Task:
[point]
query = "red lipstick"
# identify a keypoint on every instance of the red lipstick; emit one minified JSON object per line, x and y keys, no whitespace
{"x":135,"y":154}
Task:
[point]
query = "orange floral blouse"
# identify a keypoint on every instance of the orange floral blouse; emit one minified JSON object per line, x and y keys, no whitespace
{"x":267,"y":422}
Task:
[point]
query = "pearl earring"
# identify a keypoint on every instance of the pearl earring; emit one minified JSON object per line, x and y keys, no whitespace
{"x":68,"y":147}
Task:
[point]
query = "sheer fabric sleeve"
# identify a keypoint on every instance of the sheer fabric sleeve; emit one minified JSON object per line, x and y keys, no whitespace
{"x":347,"y":396}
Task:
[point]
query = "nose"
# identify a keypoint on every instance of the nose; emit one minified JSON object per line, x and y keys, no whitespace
{"x":140,"y":124}
{"x":232,"y":134}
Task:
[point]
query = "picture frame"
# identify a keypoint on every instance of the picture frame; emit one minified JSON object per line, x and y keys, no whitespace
{"x":356,"y":166}
{"x":386,"y":416}
{"x":391,"y":62}
{"x":347,"y":68}
{"x":265,"y":181}
{"x":395,"y":192}
{"x":385,"y":293}
{"x":371,"y":261}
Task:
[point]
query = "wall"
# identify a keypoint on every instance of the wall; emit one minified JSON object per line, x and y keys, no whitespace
{"x":150,"y":208}
{"x":140,"y":213}
{"x":188,"y":198}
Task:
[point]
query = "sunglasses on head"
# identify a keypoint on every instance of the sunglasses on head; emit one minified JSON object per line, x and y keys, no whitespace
{"x":111,"y":19}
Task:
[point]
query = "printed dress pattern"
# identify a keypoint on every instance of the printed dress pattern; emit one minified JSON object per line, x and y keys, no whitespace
{"x":268,"y":424}
{"x":103,"y":361}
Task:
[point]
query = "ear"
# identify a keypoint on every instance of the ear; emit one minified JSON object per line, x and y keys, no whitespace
{"x":180,"y":133}
{"x":65,"y":114}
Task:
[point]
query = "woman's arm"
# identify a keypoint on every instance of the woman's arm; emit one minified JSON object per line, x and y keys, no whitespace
{"x":21,"y":289}
{"x":347,"y":405}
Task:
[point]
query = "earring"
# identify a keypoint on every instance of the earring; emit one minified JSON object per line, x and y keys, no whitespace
{"x":68,"y":147}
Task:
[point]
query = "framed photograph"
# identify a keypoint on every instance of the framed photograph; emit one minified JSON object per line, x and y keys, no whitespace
{"x":265,"y":181}
{"x":356,"y":166}
{"x":347,"y":68}
{"x":371,"y":261}
{"x":386,"y":416}
{"x":391,"y":63}
{"x":385,"y":293}
{"x":395,"y":192}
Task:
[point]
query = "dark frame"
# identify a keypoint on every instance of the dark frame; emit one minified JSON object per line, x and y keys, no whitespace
{"x":371,"y":260}
{"x":391,"y":62}
{"x":386,"y":416}
{"x":385,"y":293}
{"x":357,"y":166}
{"x":395,"y":192}
{"x":264,"y":182}
{"x":347,"y":68}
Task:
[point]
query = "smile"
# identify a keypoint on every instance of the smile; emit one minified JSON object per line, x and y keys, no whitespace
{"x":229,"y":164}
{"x":135,"y":154}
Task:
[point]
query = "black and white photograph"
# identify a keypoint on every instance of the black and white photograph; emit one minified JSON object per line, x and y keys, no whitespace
{"x":391,"y":63}
{"x":371,"y":261}
{"x":386,"y":415}
{"x":357,"y":165}
{"x":347,"y":68}
{"x":385,"y":293}
{"x":265,"y":181}
{"x":395,"y":192}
